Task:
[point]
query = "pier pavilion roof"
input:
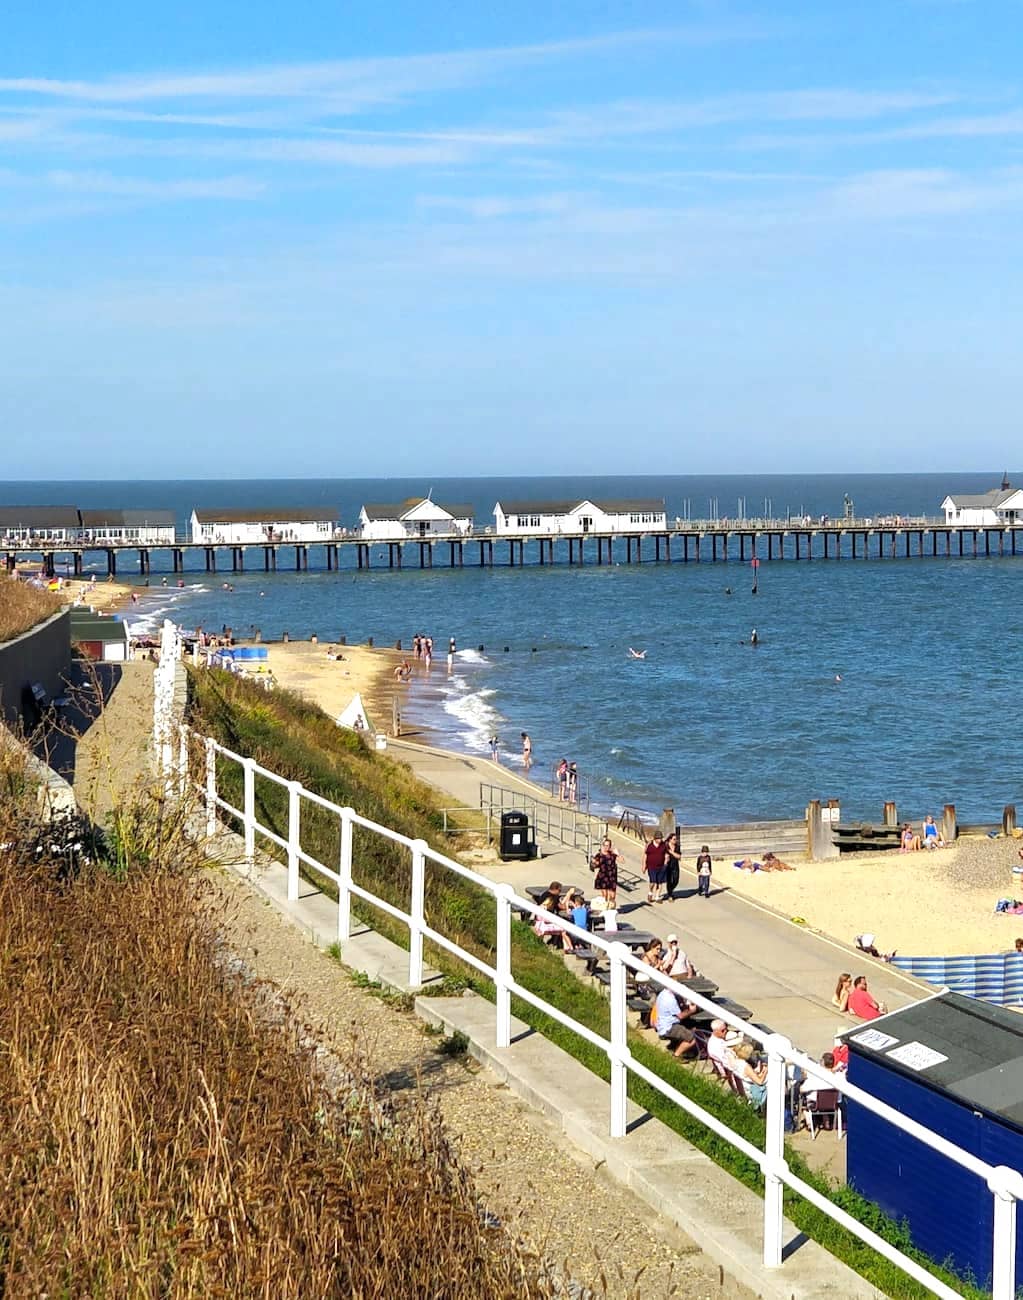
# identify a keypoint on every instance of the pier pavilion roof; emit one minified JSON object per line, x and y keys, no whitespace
{"x":38,"y":517}
{"x":127,"y":518}
{"x":983,"y":500}
{"x":610,"y":507}
{"x":285,"y":514}
{"x":406,"y":508}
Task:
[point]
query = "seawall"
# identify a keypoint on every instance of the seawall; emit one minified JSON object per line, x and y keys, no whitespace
{"x":43,"y":655}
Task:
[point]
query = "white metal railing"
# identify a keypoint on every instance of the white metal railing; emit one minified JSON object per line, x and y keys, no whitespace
{"x":1005,"y":1184}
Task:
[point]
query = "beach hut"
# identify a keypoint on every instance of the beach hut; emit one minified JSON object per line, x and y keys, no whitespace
{"x":954,"y":1064}
{"x":220,"y":526}
{"x":418,"y":517}
{"x":99,"y":636}
{"x":572,"y":518}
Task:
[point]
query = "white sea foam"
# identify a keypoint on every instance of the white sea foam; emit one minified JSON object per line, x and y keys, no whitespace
{"x":479,"y":720}
{"x":471,"y":657}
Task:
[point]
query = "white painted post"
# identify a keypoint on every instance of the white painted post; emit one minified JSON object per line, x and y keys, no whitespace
{"x":1007,"y":1186}
{"x":344,"y":872}
{"x":503,"y":895}
{"x":417,"y":906}
{"x":182,"y":761}
{"x":249,"y":810}
{"x":294,"y":837}
{"x":775,"y":1165}
{"x":619,"y":1041}
{"x":211,"y":787}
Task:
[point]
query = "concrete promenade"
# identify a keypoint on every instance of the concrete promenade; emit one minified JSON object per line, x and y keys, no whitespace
{"x":783,"y":972}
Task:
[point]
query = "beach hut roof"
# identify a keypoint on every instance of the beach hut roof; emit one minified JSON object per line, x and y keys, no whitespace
{"x":405,"y":507}
{"x":983,"y":500}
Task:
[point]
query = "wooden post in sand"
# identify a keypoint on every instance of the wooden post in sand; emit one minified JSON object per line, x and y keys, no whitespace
{"x":1009,"y":819}
{"x":949,"y":825}
{"x":820,"y":843}
{"x":890,"y":815}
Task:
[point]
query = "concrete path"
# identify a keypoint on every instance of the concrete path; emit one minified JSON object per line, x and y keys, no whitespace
{"x":783,"y":972}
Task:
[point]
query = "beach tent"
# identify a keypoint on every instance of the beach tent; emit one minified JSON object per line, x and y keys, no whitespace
{"x":354,"y":716}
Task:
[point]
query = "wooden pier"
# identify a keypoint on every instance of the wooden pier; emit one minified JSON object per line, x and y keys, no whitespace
{"x":683,"y":542}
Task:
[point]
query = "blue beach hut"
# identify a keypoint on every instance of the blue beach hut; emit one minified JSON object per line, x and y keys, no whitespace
{"x":955,"y":1064}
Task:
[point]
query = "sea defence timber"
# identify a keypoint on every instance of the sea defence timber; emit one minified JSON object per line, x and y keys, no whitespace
{"x":747,"y":543}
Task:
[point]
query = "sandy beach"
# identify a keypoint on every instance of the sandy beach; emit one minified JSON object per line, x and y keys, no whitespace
{"x":331,"y":683}
{"x":937,"y":903}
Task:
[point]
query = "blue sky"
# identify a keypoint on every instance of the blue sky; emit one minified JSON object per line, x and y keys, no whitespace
{"x":248,"y":239}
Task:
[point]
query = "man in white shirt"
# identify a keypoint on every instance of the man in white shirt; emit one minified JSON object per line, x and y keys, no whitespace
{"x":716,"y":1045}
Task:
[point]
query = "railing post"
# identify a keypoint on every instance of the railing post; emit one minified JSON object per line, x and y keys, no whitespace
{"x":416,"y":911}
{"x":503,"y":895}
{"x":249,"y":811}
{"x":344,"y":872}
{"x":211,"y":787}
{"x":294,"y":837}
{"x":182,"y":760}
{"x":1006,"y":1186}
{"x":777,"y":1046}
{"x":619,"y":1040}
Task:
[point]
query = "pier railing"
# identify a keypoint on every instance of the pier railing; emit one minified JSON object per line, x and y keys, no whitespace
{"x":180,"y":772}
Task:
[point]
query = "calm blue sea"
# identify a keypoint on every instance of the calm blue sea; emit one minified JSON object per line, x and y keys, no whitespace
{"x":929,"y":651}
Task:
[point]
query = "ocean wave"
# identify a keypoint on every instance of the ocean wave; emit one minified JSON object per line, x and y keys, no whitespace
{"x":471,"y":657}
{"x":479,"y":720}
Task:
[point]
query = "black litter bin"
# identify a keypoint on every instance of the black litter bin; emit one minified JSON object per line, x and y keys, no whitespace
{"x":516,"y":838}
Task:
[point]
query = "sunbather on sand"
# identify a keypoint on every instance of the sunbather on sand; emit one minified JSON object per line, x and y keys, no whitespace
{"x":771,"y":863}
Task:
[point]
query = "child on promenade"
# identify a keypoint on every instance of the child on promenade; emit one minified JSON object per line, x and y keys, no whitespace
{"x":704,"y":870}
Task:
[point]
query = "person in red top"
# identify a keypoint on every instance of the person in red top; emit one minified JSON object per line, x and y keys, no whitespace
{"x":655,"y":858}
{"x":862,"y":1002}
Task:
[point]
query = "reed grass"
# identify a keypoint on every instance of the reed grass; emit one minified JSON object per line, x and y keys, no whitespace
{"x":167,"y":1128}
{"x":298,"y":741}
{"x":22,"y":606}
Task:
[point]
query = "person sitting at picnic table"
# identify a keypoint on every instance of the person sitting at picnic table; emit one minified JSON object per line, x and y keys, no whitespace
{"x":840,"y":997}
{"x":718,"y":1043}
{"x":932,"y":837}
{"x":668,"y":1016}
{"x":547,"y":926}
{"x":651,"y":956}
{"x":675,"y":962}
{"x":910,"y":842}
{"x":862,"y":1003}
{"x":754,"y":1077}
{"x":553,"y":892}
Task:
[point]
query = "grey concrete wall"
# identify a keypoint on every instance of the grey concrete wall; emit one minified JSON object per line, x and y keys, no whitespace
{"x":42,"y":654}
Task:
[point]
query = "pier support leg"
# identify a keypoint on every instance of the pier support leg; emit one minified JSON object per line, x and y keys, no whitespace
{"x":511,"y":554}
{"x":78,"y":564}
{"x":685,"y":548}
{"x":177,"y":559}
{"x":211,"y":559}
{"x":111,"y":561}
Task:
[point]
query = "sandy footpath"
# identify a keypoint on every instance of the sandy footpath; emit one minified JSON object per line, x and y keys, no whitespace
{"x":938,"y":903}
{"x":312,"y":671}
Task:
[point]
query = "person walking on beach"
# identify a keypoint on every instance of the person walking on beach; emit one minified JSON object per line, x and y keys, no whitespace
{"x":428,"y":651}
{"x":562,"y":775}
{"x":704,"y":869}
{"x":494,"y":749}
{"x":417,"y":646}
{"x":573,"y":783}
{"x":527,"y":751}
{"x":604,"y":864}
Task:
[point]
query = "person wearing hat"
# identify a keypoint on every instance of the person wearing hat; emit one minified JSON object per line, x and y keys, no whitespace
{"x":675,"y":962}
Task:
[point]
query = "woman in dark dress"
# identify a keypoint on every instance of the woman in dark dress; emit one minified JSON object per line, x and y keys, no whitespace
{"x":672,"y":863}
{"x":605,"y":864}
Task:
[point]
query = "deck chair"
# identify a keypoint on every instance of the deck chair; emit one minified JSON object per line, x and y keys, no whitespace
{"x":822,"y":1105}
{"x":736,"y":1084}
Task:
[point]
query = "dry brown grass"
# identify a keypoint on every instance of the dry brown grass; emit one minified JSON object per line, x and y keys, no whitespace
{"x":22,"y":606}
{"x":166,"y":1127}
